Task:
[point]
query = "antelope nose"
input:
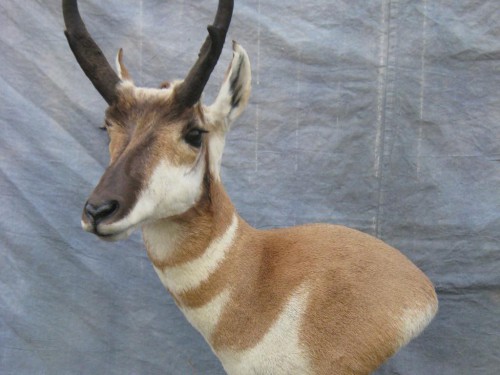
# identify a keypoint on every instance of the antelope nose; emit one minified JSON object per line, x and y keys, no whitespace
{"x":100,"y":212}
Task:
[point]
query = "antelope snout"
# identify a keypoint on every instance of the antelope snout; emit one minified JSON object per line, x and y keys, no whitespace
{"x":98,"y":212}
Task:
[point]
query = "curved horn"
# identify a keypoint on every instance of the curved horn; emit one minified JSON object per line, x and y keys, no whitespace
{"x":88,"y":54}
{"x":189,"y":92}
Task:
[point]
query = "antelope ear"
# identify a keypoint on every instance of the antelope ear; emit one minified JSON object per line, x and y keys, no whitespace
{"x":120,"y":67}
{"x":235,"y":91}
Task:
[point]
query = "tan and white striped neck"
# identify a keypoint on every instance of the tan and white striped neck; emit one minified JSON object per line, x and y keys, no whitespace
{"x":186,"y":251}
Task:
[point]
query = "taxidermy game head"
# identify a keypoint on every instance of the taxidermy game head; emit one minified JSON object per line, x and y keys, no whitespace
{"x":165,"y":145}
{"x":312,"y":299}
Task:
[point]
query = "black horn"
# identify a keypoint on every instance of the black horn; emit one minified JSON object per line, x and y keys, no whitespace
{"x":189,"y":92}
{"x":88,"y":54}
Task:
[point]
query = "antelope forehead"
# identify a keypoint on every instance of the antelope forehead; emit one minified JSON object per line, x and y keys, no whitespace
{"x":138,"y":101}
{"x":153,"y":93}
{"x":128,"y":88}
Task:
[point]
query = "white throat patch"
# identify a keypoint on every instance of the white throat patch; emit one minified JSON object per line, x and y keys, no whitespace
{"x":192,"y":274}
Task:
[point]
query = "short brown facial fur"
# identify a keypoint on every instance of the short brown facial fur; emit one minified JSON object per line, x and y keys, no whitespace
{"x":145,"y":126}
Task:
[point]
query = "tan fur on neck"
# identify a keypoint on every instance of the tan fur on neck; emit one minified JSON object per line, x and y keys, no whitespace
{"x":359,"y":288}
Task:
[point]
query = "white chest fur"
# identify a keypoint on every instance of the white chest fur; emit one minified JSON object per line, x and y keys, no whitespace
{"x":279,"y":352}
{"x":206,"y":317}
{"x":190,"y":275}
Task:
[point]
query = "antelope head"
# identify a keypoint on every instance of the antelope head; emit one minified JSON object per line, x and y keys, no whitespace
{"x":165,"y":145}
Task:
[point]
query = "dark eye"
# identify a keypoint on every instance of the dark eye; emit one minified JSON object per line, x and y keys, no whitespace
{"x":105,"y":126}
{"x":194,"y":137}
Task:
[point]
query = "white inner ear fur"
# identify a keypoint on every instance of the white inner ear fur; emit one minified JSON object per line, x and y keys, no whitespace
{"x":229,"y":105}
{"x":123,"y":73}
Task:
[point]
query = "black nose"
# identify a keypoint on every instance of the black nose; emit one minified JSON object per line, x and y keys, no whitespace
{"x":100,"y":212}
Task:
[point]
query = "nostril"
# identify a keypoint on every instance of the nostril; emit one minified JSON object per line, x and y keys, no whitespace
{"x":97,"y":213}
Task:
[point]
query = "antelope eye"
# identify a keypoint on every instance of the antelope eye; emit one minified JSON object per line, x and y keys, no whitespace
{"x":105,"y":126}
{"x":194,"y":137}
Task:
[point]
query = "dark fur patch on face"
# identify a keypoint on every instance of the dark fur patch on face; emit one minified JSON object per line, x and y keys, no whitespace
{"x":207,"y":178}
{"x":144,"y":127}
{"x":124,"y":179}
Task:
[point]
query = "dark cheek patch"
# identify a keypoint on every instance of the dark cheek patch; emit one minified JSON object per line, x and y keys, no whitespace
{"x":123,"y":180}
{"x":207,"y":180}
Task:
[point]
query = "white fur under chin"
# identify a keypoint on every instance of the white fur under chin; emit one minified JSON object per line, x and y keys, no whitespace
{"x":171,"y":190}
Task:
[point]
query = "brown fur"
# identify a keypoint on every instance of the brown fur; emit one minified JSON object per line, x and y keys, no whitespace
{"x":364,"y":298}
{"x":143,"y":129}
{"x":359,"y":286}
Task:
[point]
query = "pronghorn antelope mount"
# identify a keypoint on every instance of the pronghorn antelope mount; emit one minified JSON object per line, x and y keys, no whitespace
{"x":312,"y":299}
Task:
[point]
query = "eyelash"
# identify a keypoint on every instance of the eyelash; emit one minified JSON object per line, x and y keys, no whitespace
{"x":194,"y":137}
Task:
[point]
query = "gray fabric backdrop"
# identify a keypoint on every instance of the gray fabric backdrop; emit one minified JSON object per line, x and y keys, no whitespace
{"x":383,"y":115}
